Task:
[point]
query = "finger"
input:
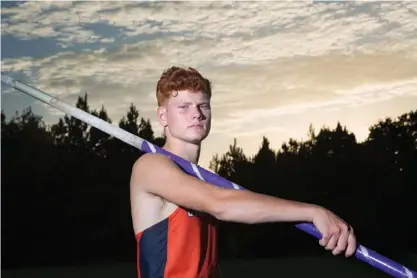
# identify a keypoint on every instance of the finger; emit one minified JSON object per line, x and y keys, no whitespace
{"x":335,"y":233}
{"x":324,"y":240}
{"x":342,"y":241}
{"x":332,"y":242}
{"x":352,"y":244}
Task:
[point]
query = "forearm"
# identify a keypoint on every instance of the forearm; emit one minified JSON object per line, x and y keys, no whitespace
{"x":249,"y":207}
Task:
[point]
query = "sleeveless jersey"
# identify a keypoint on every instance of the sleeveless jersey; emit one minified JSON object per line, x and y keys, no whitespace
{"x":180,"y":246}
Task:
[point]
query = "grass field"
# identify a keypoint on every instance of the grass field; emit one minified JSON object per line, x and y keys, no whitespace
{"x":288,"y":267}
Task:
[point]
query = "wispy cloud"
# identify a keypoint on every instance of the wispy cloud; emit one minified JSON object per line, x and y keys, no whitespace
{"x":266,"y":59}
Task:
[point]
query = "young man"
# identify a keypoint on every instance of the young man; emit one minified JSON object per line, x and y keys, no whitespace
{"x":174,"y":213}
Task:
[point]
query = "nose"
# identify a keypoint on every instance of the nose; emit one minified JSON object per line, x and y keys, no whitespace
{"x":197,"y":113}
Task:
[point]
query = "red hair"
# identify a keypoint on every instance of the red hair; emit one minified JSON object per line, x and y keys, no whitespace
{"x":179,"y":79}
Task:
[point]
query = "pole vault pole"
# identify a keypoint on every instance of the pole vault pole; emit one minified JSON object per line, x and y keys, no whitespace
{"x":362,"y":253}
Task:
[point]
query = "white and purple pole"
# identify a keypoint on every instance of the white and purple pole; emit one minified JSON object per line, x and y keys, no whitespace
{"x":362,"y":253}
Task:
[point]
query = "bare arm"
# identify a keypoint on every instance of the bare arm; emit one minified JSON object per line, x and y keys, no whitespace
{"x":158,"y":175}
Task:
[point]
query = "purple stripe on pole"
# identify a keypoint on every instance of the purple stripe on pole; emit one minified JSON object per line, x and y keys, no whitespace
{"x":362,"y":253}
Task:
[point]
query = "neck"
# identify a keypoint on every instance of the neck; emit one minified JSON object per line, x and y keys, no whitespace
{"x":187,"y":151}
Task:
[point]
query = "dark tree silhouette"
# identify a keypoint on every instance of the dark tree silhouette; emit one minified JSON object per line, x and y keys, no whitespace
{"x":65,"y":188}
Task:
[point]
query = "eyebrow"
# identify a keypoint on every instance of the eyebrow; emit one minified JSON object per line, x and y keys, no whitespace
{"x":190,"y":103}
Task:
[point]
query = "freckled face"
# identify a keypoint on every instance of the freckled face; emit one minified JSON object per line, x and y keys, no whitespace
{"x":186,"y":116}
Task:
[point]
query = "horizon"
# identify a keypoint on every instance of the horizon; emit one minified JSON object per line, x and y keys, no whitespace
{"x":316,"y":130}
{"x":356,"y":63}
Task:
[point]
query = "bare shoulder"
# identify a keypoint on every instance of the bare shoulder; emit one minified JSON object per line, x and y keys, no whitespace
{"x":149,"y":166}
{"x":158,"y":175}
{"x":146,"y":207}
{"x":156,"y":160}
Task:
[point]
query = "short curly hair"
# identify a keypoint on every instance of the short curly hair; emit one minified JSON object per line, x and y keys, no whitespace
{"x":178,"y":79}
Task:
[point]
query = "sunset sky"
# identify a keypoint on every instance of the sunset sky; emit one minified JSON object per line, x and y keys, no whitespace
{"x":276,"y":67}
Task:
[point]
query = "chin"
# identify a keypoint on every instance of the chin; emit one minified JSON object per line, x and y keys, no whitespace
{"x":195,"y":138}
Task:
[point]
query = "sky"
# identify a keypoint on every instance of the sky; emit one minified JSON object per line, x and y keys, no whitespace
{"x":276,"y":67}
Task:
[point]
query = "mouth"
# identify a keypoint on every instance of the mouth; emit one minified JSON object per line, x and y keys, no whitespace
{"x":197,"y":126}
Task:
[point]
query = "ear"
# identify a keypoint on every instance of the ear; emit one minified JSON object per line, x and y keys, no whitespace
{"x":162,"y":119}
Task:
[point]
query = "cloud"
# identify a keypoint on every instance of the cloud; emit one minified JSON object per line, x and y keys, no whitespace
{"x":317,"y":26}
{"x":356,"y":96}
{"x":266,"y":59}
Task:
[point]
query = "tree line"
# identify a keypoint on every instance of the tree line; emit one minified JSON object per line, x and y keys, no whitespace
{"x":65,"y":188}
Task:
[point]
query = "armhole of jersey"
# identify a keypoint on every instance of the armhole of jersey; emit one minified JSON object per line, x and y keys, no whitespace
{"x":173,"y":214}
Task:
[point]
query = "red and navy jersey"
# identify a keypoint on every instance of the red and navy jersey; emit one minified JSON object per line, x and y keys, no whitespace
{"x":180,"y":246}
